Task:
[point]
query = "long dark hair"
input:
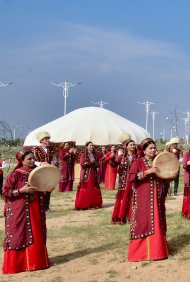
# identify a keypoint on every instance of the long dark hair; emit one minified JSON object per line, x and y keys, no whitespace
{"x":87,"y":143}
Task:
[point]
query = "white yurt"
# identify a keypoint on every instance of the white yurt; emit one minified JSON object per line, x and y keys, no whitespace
{"x":95,"y":124}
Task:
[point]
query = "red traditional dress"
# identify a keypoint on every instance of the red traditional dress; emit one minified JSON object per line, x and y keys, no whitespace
{"x":88,"y":194}
{"x":124,"y":163}
{"x":43,"y":155}
{"x":25,"y":226}
{"x":66,"y":166}
{"x":148,"y":219}
{"x":186,"y":196}
{"x":110,"y":173}
{"x":102,"y":168}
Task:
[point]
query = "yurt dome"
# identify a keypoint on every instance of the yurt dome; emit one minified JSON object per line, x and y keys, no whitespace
{"x":95,"y":124}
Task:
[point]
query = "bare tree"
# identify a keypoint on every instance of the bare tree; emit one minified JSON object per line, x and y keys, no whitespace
{"x":5,"y":130}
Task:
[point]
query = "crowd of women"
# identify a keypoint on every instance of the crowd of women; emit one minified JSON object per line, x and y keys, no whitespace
{"x":140,"y":197}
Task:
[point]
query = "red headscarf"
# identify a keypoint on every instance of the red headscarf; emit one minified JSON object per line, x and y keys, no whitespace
{"x":20,"y":157}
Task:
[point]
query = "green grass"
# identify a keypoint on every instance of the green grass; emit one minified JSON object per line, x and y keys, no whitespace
{"x":146,"y":263}
{"x":57,"y":279}
{"x":2,"y":234}
{"x":97,"y":226}
{"x":112,"y":273}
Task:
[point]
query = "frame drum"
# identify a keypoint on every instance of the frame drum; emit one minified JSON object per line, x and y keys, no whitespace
{"x":168,"y":164}
{"x":44,"y":177}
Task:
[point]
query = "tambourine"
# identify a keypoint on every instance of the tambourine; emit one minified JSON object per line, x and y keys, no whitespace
{"x":168,"y":165}
{"x":44,"y":177}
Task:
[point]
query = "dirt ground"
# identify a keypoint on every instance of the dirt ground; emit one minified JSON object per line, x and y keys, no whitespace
{"x":93,"y":264}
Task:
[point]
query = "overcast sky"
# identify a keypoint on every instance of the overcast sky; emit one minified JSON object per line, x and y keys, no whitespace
{"x":123,"y":52}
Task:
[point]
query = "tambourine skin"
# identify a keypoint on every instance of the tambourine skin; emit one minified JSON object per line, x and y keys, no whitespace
{"x":44,"y":177}
{"x":168,"y":165}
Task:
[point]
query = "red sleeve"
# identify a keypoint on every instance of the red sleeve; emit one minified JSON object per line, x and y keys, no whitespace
{"x":63,"y":155}
{"x":107,"y":157}
{"x":9,"y":185}
{"x":83,"y":161}
{"x":133,"y":171}
{"x":118,"y":158}
{"x":186,"y":158}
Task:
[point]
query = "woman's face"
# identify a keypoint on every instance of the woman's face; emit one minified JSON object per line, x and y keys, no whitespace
{"x":29,"y":160}
{"x":150,"y":151}
{"x":112,"y":149}
{"x":66,"y":146}
{"x":131,"y":146}
{"x":90,"y":146}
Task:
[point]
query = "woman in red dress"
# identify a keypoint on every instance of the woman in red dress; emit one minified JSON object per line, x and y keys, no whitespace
{"x":186,"y":196}
{"x":148,"y":219}
{"x":102,"y":162}
{"x":88,"y":194}
{"x":111,"y":169}
{"x":25,"y":221}
{"x":124,"y":160}
{"x":67,"y":157}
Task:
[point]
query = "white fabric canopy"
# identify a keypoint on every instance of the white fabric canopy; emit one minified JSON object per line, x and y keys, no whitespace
{"x":95,"y":124}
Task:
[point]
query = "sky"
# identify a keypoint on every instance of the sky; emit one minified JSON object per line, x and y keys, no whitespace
{"x":123,"y":52}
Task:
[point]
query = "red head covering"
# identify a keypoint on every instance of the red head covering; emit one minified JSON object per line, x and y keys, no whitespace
{"x":20,"y":156}
{"x":19,"y":159}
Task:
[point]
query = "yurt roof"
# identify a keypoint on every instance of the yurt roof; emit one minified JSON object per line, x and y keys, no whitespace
{"x":95,"y":124}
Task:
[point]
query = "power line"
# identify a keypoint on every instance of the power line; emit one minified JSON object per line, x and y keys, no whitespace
{"x":5,"y":84}
{"x":153,"y":122}
{"x":147,"y":107}
{"x":65,"y":85}
{"x":100,"y":103}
